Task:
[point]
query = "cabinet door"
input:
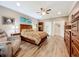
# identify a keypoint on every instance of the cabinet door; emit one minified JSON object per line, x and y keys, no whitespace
{"x":74,"y":26}
{"x":75,"y":45}
{"x":75,"y":51}
{"x":67,"y":40}
{"x":78,"y":26}
{"x":40,"y":26}
{"x":75,"y":35}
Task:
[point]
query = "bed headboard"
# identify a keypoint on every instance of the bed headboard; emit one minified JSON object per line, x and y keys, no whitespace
{"x":25,"y":26}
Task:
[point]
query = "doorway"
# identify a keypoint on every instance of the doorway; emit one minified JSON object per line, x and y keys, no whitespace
{"x":48,"y":27}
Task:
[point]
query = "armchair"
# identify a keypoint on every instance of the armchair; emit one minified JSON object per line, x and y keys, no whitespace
{"x":9,"y":45}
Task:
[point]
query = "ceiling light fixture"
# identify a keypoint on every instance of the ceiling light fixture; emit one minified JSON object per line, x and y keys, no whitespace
{"x":59,"y":13}
{"x":18,"y":4}
{"x":43,"y":13}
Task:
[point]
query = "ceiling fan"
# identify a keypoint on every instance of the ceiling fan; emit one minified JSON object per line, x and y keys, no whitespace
{"x":44,"y":11}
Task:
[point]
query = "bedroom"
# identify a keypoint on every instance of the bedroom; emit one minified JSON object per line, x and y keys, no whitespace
{"x":32,"y":29}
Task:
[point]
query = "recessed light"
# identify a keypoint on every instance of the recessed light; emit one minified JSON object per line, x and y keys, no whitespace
{"x":59,"y":13}
{"x":18,"y":4}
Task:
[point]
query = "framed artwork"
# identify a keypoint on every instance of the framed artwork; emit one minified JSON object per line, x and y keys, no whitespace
{"x":25,"y":21}
{"x":7,"y":20}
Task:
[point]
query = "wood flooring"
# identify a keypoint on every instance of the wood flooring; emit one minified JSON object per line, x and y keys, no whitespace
{"x":54,"y":46}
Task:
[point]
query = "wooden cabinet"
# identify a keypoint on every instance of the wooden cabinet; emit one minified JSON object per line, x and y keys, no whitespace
{"x":40,"y":26}
{"x":75,"y":35}
{"x":67,"y":37}
{"x":72,"y":37}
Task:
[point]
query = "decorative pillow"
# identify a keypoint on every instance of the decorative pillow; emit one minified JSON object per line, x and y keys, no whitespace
{"x":27,"y":30}
{"x":1,"y":31}
{"x":3,"y":34}
{"x":3,"y":37}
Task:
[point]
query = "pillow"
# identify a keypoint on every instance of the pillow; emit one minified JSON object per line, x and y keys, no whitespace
{"x":1,"y":31}
{"x":27,"y":30}
{"x":3,"y":36}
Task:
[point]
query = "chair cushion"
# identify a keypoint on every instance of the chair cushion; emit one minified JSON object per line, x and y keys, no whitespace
{"x":1,"y":31}
{"x":15,"y":43}
{"x":3,"y":36}
{"x":5,"y":49}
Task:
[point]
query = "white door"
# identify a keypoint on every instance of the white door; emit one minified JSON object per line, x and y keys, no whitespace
{"x":47,"y":27}
{"x":57,"y":29}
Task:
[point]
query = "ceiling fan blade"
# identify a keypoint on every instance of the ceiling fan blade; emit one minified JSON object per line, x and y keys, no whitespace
{"x":49,"y":10}
{"x":47,"y":13}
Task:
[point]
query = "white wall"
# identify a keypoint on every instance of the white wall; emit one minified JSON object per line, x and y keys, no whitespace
{"x":10,"y":13}
{"x":57,"y":21}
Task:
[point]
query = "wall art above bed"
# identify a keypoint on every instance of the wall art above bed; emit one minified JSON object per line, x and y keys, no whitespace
{"x":24,"y":20}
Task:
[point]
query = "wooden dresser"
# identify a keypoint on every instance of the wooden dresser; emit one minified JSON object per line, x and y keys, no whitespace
{"x":67,"y":37}
{"x":75,"y":35}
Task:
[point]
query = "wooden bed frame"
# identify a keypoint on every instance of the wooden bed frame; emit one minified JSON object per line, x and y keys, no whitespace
{"x":24,"y":26}
{"x":33,"y":42}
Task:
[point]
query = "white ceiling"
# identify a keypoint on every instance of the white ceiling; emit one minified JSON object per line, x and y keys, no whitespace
{"x":31,"y":7}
